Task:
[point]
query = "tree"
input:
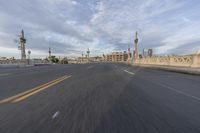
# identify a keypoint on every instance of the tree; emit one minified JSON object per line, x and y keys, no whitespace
{"x":64,"y":61}
{"x":54,"y":59}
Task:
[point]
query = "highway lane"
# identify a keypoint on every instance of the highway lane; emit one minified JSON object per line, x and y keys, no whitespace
{"x":99,"y":98}
{"x":22,"y":79}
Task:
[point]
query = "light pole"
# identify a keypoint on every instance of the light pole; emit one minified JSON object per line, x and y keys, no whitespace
{"x":88,"y":53}
{"x":29,"y":52}
{"x":82,"y":57}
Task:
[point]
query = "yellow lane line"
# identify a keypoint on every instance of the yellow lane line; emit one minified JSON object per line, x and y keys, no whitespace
{"x":29,"y":91}
{"x":36,"y":91}
{"x":23,"y":93}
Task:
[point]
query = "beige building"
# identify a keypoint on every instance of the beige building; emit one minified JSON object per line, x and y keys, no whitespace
{"x":118,"y":56}
{"x":3,"y":58}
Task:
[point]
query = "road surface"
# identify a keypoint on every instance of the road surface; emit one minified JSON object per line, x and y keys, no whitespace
{"x":98,"y":98}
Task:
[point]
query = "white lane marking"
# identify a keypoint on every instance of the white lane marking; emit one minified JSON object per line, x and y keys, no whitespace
{"x":129,"y":72}
{"x":5,"y":74}
{"x":90,"y":67}
{"x":55,"y":114}
{"x":180,"y":92}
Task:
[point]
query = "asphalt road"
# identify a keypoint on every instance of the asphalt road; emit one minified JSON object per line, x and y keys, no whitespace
{"x":98,"y":98}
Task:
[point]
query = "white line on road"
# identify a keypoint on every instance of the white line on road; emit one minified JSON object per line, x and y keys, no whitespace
{"x":55,"y":114}
{"x":129,"y":72}
{"x":90,"y":67}
{"x":180,"y":92}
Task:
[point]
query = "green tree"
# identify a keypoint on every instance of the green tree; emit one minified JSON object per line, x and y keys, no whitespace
{"x":54,"y":59}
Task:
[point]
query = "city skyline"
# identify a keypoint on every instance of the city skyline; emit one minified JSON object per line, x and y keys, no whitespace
{"x":71,"y":26}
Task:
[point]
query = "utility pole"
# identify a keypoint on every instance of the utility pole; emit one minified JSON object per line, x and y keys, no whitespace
{"x":22,"y":43}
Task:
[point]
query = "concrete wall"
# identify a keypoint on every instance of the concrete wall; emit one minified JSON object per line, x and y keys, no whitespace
{"x":181,"y":61}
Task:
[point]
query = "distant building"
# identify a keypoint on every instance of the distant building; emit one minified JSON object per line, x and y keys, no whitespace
{"x":3,"y":58}
{"x":90,"y":59}
{"x":147,"y":52}
{"x":72,"y":61}
{"x":150,"y":52}
{"x":118,"y":56}
{"x":95,"y":59}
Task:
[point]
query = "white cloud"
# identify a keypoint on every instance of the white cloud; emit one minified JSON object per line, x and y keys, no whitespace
{"x":72,"y":26}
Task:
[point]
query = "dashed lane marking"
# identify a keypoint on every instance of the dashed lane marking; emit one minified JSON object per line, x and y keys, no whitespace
{"x":55,"y":114}
{"x":129,"y":72}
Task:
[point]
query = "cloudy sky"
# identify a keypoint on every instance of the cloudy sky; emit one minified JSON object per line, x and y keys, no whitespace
{"x":72,"y":26}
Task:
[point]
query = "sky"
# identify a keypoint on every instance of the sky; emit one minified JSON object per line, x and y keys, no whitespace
{"x":72,"y":26}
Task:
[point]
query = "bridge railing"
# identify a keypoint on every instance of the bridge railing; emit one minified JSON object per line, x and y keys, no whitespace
{"x":23,"y":62}
{"x":185,"y":60}
{"x":12,"y":62}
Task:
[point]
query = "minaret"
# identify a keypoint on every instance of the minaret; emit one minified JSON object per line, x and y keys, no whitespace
{"x":136,"y":46}
{"x":22,"y":42}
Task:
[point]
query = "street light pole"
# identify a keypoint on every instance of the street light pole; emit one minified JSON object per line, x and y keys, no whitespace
{"x":82,"y":56}
{"x":29,"y":52}
{"x":88,"y":53}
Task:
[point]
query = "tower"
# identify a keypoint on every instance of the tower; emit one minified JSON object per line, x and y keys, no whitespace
{"x":22,"y":43}
{"x":136,"y":46}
